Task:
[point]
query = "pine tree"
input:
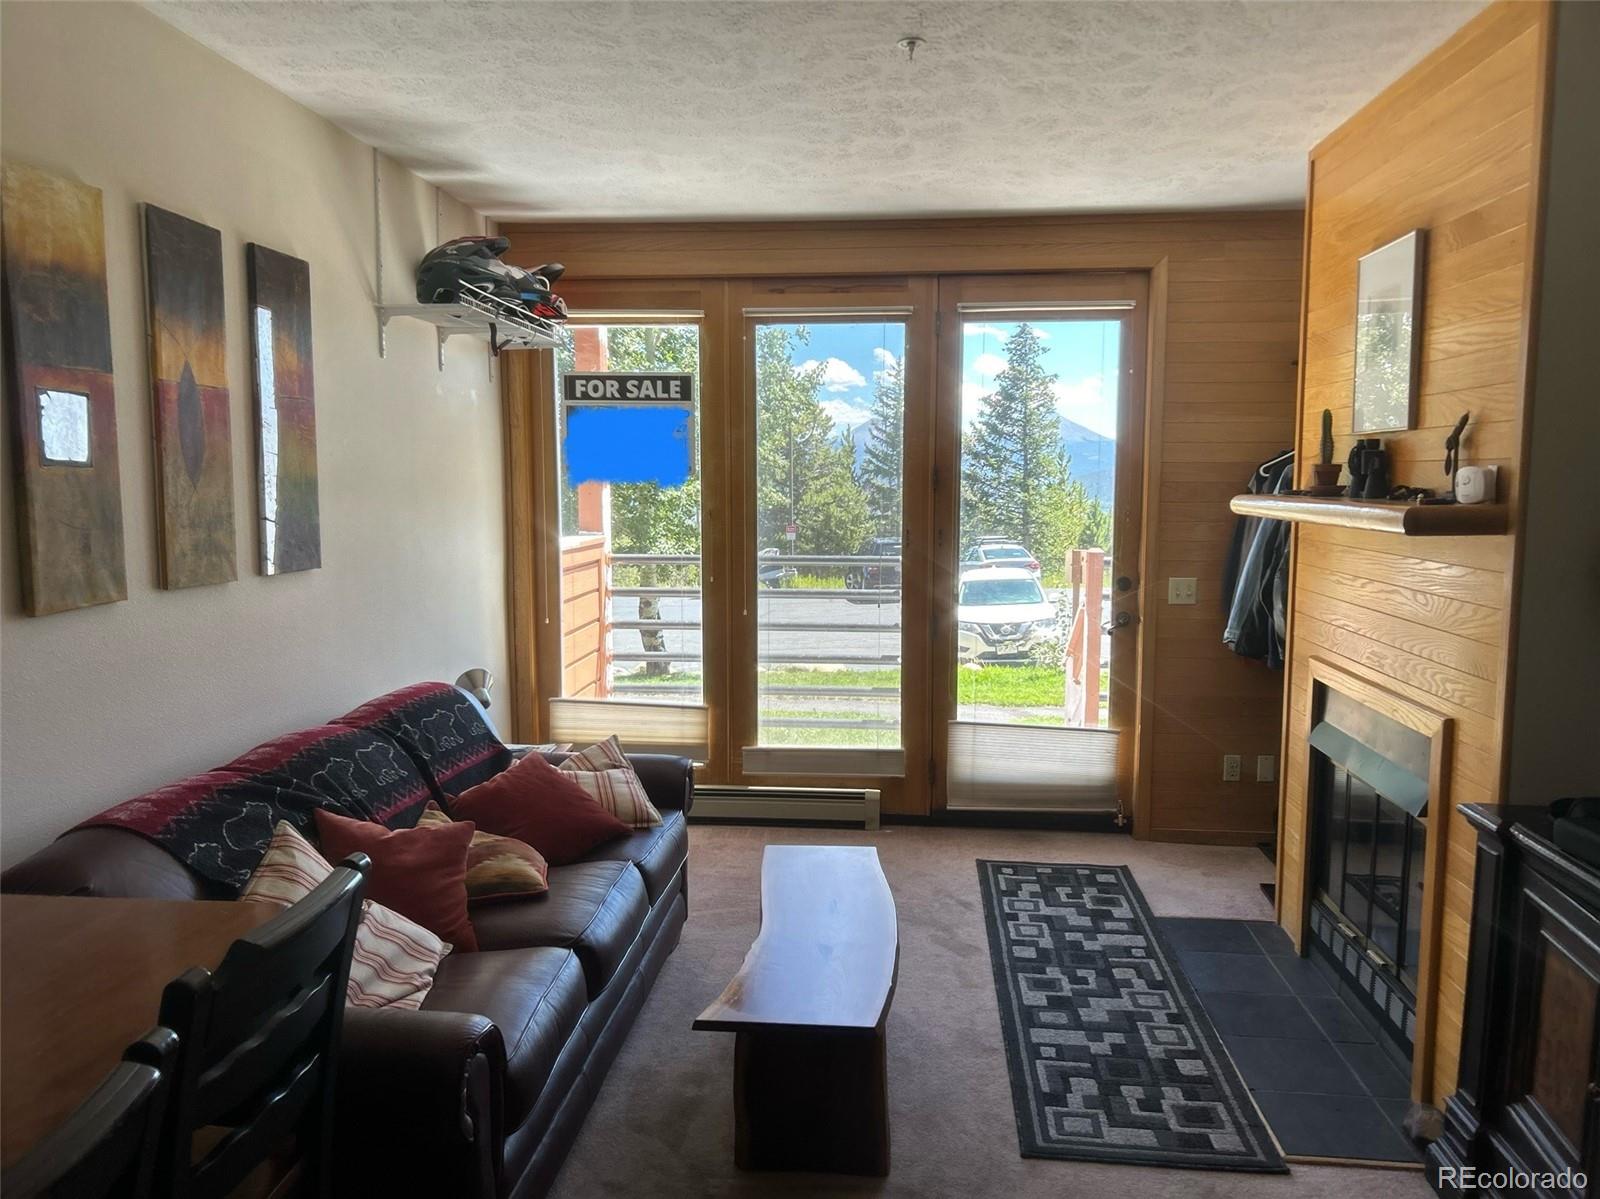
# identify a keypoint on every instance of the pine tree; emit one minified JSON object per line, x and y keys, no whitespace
{"x":883,"y":462}
{"x":1014,"y":471}
{"x":804,"y":476}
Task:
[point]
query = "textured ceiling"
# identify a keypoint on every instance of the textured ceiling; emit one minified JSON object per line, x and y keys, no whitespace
{"x":752,"y":109}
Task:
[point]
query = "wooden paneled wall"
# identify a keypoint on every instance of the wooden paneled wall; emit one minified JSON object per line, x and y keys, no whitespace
{"x":1452,"y":147}
{"x":1225,"y":295}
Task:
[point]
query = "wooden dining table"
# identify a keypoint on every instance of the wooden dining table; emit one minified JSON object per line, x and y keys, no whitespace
{"x":80,"y":979}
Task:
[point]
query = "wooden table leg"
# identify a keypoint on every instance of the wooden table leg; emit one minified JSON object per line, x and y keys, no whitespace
{"x":811,"y":1100}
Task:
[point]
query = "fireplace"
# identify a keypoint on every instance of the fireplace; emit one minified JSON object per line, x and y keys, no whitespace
{"x":1369,"y":854}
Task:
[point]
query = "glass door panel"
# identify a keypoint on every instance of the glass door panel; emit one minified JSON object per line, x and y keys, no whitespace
{"x":1038,"y":486}
{"x":630,"y":570}
{"x":829,"y":433}
{"x":1037,"y":451}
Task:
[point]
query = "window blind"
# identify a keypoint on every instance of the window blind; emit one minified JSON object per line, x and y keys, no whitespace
{"x":641,"y":727}
{"x":1026,"y":767}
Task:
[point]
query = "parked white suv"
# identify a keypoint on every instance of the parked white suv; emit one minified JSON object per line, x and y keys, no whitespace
{"x":1001,"y":613}
{"x":999,"y":551}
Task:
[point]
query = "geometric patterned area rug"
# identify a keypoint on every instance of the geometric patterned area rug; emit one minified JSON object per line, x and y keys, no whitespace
{"x":1112,"y":1058}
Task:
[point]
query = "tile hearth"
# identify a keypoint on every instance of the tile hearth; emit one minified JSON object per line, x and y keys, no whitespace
{"x":1324,"y":1084}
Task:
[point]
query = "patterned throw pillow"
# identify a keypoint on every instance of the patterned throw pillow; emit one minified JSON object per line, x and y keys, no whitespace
{"x":395,"y":959}
{"x":497,"y":867}
{"x":605,"y":773}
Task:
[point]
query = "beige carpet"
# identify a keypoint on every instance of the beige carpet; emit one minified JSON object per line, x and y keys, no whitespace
{"x":663,"y":1124}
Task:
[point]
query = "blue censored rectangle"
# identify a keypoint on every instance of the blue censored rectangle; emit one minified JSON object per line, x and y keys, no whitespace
{"x":646,"y":443}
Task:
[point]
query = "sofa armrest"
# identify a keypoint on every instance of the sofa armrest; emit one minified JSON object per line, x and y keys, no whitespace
{"x":420,"y":1104}
{"x":668,"y":780}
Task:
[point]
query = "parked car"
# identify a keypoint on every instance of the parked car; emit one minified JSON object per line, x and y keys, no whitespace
{"x":1001,"y":614}
{"x":772,"y":574}
{"x":1002,"y":551}
{"x":875,"y":576}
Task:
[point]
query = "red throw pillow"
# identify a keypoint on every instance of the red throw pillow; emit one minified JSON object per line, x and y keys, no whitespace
{"x":534,"y":802}
{"x":419,"y":872}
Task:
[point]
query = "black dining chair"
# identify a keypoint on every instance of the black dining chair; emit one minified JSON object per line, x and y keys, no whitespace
{"x":257,"y":1041}
{"x":106,"y":1149}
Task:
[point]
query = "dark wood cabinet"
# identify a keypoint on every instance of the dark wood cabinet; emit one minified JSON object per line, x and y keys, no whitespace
{"x":1526,"y":1111}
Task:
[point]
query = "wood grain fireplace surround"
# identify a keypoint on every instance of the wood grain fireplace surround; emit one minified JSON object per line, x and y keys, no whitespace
{"x":1377,"y":775}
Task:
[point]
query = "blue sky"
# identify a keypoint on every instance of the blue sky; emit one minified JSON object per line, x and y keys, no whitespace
{"x":1081,"y":354}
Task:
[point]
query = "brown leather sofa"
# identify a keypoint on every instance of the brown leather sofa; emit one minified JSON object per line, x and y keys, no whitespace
{"x":481,"y":1093}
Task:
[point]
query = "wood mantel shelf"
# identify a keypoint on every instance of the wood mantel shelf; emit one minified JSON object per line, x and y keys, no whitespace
{"x":1380,"y":516}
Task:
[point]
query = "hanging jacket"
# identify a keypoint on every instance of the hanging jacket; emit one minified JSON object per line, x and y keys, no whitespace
{"x":1255,"y":577}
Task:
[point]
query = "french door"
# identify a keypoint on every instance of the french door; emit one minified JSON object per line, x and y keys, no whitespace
{"x":1040,"y":433}
{"x":905,"y":557}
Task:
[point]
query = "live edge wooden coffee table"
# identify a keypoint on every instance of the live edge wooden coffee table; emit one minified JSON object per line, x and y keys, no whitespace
{"x":808,"y":1007}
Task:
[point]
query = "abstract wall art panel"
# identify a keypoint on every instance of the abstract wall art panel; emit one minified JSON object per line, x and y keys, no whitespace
{"x":286,"y":411}
{"x":189,"y":385}
{"x":69,"y":492}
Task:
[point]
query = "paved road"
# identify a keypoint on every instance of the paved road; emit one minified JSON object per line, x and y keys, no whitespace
{"x":774,"y":608}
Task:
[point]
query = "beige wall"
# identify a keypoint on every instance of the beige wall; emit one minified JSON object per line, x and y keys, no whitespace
{"x":98,"y":704}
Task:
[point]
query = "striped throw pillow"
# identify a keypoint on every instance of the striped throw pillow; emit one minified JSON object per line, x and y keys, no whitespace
{"x":497,"y":867}
{"x":606,"y":776}
{"x":394,"y":960}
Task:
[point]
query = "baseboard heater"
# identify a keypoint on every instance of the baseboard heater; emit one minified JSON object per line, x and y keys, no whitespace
{"x":788,"y":803}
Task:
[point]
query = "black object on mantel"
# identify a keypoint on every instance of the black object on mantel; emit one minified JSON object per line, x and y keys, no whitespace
{"x":1369,"y":470}
{"x":1529,"y":1076}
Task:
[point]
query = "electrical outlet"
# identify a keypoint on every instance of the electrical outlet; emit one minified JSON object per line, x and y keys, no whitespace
{"x":1182,"y":591}
{"x":1230,"y":768}
{"x":1266,"y":768}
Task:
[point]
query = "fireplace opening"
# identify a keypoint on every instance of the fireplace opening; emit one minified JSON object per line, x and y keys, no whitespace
{"x":1370,"y":831}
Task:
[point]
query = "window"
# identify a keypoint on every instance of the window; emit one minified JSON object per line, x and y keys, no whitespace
{"x":630,"y":569}
{"x":1039,"y":402}
{"x":829,"y":430}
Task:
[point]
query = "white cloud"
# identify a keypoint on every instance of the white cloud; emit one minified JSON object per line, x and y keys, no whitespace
{"x":844,"y":414}
{"x":972,"y":395}
{"x":837,"y":374}
{"x":1086,"y":402}
{"x":986,"y":366}
{"x":886,"y":363}
{"x":1001,"y":331}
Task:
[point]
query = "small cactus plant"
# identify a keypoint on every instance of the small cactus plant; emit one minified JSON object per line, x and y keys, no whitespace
{"x":1327,"y":437}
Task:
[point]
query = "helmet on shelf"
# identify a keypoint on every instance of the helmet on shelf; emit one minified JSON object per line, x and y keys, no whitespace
{"x":540,"y":299}
{"x":474,"y":262}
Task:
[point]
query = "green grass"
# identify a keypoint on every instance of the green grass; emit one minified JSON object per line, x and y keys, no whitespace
{"x":1011,"y":686}
{"x":1001,"y":686}
{"x":876,"y":738}
{"x":807,"y":582}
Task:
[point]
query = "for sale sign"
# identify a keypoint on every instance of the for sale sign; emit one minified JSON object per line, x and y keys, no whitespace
{"x":626,"y":427}
{"x":628,"y":387}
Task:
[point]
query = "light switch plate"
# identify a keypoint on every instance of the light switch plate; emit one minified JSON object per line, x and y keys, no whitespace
{"x":1266,"y":768}
{"x":1182,"y":591}
{"x":1230,"y":768}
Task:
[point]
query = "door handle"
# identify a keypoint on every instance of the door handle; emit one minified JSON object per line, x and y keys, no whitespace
{"x":1120,"y":621}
